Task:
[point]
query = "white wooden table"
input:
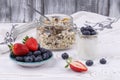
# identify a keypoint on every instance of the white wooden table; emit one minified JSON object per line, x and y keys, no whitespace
{"x":109,"y":47}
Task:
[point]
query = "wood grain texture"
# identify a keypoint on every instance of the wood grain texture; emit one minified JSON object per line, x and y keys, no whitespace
{"x":38,"y":5}
{"x":114,"y":8}
{"x":59,"y":6}
{"x":103,"y":7}
{"x":18,"y":11}
{"x":5,"y":10}
{"x":87,"y":5}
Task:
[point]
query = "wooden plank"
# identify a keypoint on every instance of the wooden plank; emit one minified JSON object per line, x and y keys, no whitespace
{"x":87,"y":5}
{"x":114,"y":8}
{"x":28,"y":12}
{"x":20,"y":12}
{"x":17,"y":11}
{"x":59,"y":6}
{"x":4,"y":10}
{"x":103,"y":7}
{"x":38,"y":5}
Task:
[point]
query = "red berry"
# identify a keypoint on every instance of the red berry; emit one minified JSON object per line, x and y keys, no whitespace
{"x":32,"y":44}
{"x":78,"y":66}
{"x":20,"y":49}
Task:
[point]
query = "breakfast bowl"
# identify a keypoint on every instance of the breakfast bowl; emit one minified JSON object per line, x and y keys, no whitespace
{"x":29,"y":63}
{"x":29,"y":53}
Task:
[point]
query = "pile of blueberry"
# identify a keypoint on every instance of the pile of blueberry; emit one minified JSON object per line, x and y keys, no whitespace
{"x":88,"y":30}
{"x":36,"y":56}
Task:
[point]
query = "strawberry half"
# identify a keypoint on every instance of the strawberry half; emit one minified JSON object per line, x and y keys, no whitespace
{"x":19,"y":49}
{"x":31,"y":43}
{"x":76,"y":65}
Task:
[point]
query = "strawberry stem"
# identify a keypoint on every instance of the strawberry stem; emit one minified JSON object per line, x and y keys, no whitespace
{"x":10,"y":46}
{"x":68,"y":61}
{"x":24,"y":39}
{"x":67,"y":66}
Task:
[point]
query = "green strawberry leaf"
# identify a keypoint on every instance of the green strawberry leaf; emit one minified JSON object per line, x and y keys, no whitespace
{"x":68,"y":61}
{"x":24,"y":39}
{"x":10,"y":46}
{"x":67,"y":66}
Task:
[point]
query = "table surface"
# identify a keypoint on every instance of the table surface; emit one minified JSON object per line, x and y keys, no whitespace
{"x":108,"y":47}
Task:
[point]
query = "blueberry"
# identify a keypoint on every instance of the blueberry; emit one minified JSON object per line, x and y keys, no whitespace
{"x":93,"y":32}
{"x":38,"y":58}
{"x":65,"y":56}
{"x":19,"y":59}
{"x":82,"y":29}
{"x":33,"y":56}
{"x":49,"y":53}
{"x":86,"y":32}
{"x":89,"y":62}
{"x":30,"y":53}
{"x":45,"y":56}
{"x":36,"y":53}
{"x":103,"y":61}
{"x":28,"y":59}
{"x":43,"y":50}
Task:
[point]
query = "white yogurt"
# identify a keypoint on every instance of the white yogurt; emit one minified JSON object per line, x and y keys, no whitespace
{"x":87,"y":47}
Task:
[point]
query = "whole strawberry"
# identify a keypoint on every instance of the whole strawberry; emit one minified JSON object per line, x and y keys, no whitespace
{"x":31,"y":43}
{"x":19,"y":49}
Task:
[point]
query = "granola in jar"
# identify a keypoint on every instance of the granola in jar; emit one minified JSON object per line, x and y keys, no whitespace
{"x":57,"y":33}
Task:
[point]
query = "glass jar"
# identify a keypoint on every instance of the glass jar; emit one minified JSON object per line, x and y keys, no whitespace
{"x":57,"y":33}
{"x":87,"y":46}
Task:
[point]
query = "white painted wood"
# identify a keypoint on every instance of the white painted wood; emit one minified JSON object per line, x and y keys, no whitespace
{"x":59,"y":6}
{"x":38,"y":5}
{"x":87,"y":5}
{"x":103,"y":7}
{"x":5,"y":10}
{"x":18,"y":11}
{"x":114,"y":8}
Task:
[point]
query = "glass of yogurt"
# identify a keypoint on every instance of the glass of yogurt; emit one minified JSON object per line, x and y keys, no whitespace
{"x":87,"y":45}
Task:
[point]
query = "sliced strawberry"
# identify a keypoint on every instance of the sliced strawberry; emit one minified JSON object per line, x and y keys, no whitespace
{"x":78,"y":66}
{"x":31,"y":43}
{"x":19,"y":49}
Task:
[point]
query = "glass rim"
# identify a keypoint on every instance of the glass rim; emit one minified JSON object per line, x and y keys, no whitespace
{"x":58,"y":15}
{"x":88,"y":36}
